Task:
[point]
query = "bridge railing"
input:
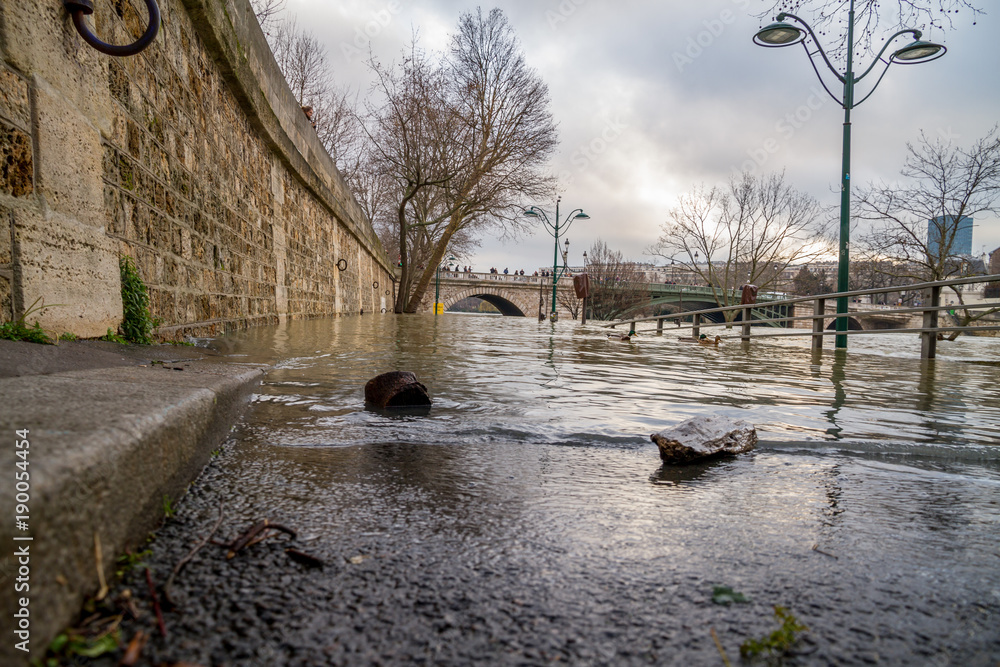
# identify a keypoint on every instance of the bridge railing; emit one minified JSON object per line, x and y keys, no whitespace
{"x":929,"y":309}
{"x":499,"y":277}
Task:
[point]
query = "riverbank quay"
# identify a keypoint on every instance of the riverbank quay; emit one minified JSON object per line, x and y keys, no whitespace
{"x":99,"y":440}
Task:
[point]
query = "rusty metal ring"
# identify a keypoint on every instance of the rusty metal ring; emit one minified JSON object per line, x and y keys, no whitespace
{"x":383,"y":310}
{"x":375,"y":285}
{"x":387,"y":292}
{"x":81,"y":8}
{"x":342,"y":264}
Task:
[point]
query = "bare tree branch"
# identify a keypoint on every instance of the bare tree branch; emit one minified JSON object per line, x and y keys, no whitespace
{"x":915,"y":224}
{"x":750,"y":231}
{"x":616,"y":284}
{"x":267,"y":12}
{"x":874,"y":19}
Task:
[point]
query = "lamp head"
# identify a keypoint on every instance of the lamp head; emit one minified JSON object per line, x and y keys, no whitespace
{"x":582,"y":216}
{"x":779,"y":34}
{"x":918,"y":51}
{"x":530,"y":213}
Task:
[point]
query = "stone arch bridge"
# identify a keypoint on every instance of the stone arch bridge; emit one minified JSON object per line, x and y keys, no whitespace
{"x":513,"y":296}
{"x":518,"y":296}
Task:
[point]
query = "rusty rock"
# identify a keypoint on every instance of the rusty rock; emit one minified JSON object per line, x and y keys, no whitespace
{"x":396,"y":389}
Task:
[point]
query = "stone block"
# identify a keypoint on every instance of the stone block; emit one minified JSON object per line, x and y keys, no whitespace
{"x":16,"y":163}
{"x":6,"y":297}
{"x":70,"y":157}
{"x":5,"y":238}
{"x":40,"y":40}
{"x":74,"y":265}
{"x":14,"y":104}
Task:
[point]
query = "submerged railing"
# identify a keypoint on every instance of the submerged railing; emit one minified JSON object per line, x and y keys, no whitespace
{"x":929,"y":331}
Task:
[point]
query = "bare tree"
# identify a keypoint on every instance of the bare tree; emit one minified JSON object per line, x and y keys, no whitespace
{"x":916,"y":222}
{"x":873,"y":18}
{"x":869,"y":272}
{"x":568,"y":300}
{"x":506,"y":135}
{"x":749,"y":232}
{"x":267,"y":13}
{"x":414,"y":136}
{"x":808,"y":283}
{"x":302,"y":59}
{"x":617,"y":285}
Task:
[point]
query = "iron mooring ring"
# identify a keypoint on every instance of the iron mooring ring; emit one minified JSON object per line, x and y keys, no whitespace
{"x":81,"y":8}
{"x":375,"y":284}
{"x":342,"y":264}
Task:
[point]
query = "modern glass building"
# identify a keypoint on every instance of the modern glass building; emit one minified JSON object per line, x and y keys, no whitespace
{"x":961,"y":238}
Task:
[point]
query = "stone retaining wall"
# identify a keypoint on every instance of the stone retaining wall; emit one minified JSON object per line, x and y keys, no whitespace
{"x":192,"y":157}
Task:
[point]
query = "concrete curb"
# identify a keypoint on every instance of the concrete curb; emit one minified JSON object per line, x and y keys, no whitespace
{"x":107,"y":446}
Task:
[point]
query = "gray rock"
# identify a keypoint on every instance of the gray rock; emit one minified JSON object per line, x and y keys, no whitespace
{"x":704,"y":437}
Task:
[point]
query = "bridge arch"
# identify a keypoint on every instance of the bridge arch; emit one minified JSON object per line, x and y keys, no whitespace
{"x":509,"y":305}
{"x":852,"y":325}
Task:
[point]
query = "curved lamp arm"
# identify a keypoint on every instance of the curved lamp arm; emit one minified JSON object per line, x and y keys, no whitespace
{"x":570,"y":218}
{"x":783,"y":15}
{"x":81,"y":8}
{"x":535,"y":212}
{"x":913,"y":31}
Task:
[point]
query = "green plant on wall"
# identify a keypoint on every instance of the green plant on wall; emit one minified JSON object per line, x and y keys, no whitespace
{"x":137,"y":324}
{"x":20,"y":330}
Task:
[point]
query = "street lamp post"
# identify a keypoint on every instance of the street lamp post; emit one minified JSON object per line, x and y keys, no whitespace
{"x":555,"y":229}
{"x":437,"y":287}
{"x":781,"y":34}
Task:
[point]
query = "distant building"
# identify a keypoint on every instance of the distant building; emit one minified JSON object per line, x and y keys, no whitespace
{"x":992,"y":290}
{"x":961,"y":244}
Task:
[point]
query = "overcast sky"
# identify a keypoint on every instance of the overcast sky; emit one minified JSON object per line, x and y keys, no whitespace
{"x":653,"y":98}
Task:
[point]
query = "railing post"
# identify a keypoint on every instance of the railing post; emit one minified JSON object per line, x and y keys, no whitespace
{"x":746,"y":325}
{"x":659,"y":327}
{"x":695,"y":326}
{"x":819,"y":310}
{"x":928,"y":339}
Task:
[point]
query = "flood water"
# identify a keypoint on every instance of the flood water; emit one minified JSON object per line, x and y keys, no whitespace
{"x":526,"y":519}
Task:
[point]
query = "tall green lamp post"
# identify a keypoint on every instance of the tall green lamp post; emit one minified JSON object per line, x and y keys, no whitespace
{"x":781,"y":34}
{"x":555,"y":229}
{"x":437,"y":288}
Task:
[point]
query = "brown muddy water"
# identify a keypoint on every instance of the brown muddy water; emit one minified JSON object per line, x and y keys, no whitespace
{"x":526,"y":519}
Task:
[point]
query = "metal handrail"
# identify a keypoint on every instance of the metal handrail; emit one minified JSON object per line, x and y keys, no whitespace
{"x":928,"y":332}
{"x":829,"y":297}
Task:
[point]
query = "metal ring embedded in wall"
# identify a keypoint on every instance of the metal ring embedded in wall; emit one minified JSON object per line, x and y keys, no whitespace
{"x":383,"y":310}
{"x":375,"y":285}
{"x":81,"y":8}
{"x":342,"y":265}
{"x":387,"y":292}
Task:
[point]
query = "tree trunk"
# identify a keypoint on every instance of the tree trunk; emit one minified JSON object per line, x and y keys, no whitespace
{"x":436,"y":257}
{"x":404,"y":264}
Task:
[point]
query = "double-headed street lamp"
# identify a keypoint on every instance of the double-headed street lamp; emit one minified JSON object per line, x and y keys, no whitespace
{"x":781,"y":34}
{"x":555,"y":230}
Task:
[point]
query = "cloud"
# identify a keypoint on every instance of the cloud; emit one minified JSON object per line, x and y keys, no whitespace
{"x":688,"y":98}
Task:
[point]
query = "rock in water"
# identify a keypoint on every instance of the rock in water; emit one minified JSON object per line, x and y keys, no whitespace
{"x":397,"y":389}
{"x":704,"y":437}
